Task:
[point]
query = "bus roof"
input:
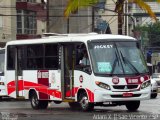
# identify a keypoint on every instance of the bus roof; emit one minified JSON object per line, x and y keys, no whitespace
{"x":70,"y":38}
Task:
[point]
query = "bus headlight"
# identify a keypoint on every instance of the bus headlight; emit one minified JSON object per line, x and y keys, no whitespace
{"x":103,"y":85}
{"x":145,"y":84}
{"x":1,"y":83}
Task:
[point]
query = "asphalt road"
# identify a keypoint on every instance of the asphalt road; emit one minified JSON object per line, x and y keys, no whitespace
{"x":21,"y":110}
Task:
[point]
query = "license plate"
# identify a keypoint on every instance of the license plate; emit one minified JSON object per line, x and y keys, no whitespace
{"x":127,"y":94}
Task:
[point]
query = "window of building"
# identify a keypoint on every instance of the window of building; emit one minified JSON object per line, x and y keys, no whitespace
{"x":26,"y":22}
{"x":31,"y":1}
{"x":1,"y":21}
{"x":26,"y":1}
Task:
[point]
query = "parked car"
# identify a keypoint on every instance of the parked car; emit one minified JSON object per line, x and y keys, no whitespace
{"x":156,"y":77}
{"x":154,"y":88}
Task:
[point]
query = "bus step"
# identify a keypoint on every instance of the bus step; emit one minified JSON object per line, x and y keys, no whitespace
{"x":20,"y":98}
{"x":68,"y":100}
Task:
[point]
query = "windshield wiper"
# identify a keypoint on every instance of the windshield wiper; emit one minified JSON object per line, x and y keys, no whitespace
{"x":114,"y":63}
{"x":125,"y":60}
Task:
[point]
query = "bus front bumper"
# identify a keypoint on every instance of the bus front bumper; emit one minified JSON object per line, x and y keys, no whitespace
{"x":105,"y":96}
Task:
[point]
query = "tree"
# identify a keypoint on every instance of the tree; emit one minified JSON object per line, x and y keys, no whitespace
{"x":153,"y":30}
{"x":74,"y":5}
{"x":154,"y":34}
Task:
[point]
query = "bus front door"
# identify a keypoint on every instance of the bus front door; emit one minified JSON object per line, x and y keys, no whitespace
{"x":67,"y":67}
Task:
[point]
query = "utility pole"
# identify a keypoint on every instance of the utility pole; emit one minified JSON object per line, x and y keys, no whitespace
{"x":47,"y":24}
{"x":68,"y":25}
{"x":93,"y":18}
{"x":120,"y":22}
{"x":119,"y":9}
{"x":126,"y":17}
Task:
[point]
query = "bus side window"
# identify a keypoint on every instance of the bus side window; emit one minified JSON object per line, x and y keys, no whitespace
{"x":21,"y":59}
{"x":35,"y":56}
{"x":82,"y":60}
{"x":79,"y":56}
{"x":51,"y":56}
{"x":10,"y":58}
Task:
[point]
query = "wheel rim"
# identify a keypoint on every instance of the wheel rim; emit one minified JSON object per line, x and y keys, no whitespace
{"x":84,"y":102}
{"x":35,"y":101}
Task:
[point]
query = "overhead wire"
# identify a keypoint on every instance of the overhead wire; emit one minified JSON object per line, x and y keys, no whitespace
{"x":12,"y":7}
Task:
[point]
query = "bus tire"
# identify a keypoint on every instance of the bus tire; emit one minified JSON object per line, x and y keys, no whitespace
{"x":74,"y":105}
{"x":43,"y":104}
{"x":132,"y":105}
{"x":85,"y":105}
{"x":154,"y":95}
{"x":57,"y":102}
{"x":38,"y":104}
{"x":0,"y":98}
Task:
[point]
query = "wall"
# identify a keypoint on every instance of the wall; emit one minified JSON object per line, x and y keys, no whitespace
{"x":6,"y":25}
{"x":79,"y":22}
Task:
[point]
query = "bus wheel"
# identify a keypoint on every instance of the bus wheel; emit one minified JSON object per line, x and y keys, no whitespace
{"x":57,"y":102}
{"x":154,"y":95}
{"x":84,"y":102}
{"x":38,"y":104}
{"x":74,"y":105}
{"x":0,"y":98}
{"x":43,"y":104}
{"x":132,"y":105}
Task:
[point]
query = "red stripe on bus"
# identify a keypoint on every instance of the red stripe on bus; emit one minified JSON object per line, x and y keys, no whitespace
{"x":25,"y":85}
{"x":55,"y":93}
{"x":90,"y":95}
{"x":73,"y":92}
{"x":11,"y":86}
{"x":137,"y":79}
{"x":43,"y":78}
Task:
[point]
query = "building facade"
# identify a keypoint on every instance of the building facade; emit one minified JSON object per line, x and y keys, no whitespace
{"x":21,"y":19}
{"x":78,"y":22}
{"x":24,"y":19}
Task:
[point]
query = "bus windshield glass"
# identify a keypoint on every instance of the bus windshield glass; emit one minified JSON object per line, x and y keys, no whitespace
{"x":117,"y":58}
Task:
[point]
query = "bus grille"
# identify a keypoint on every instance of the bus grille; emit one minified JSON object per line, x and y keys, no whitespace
{"x":121,"y":96}
{"x":123,"y":87}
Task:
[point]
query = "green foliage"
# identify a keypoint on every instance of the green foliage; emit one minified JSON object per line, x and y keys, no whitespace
{"x":141,"y":28}
{"x":150,"y":27}
{"x":153,"y":30}
{"x":74,"y":5}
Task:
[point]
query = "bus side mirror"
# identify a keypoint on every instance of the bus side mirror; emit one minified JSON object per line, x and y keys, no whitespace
{"x":87,"y":69}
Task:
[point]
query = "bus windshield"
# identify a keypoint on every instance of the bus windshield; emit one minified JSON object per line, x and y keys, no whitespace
{"x":117,"y":58}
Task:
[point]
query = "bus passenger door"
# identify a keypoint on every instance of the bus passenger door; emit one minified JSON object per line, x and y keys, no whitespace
{"x":18,"y":71}
{"x":67,"y":73}
{"x":13,"y":73}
